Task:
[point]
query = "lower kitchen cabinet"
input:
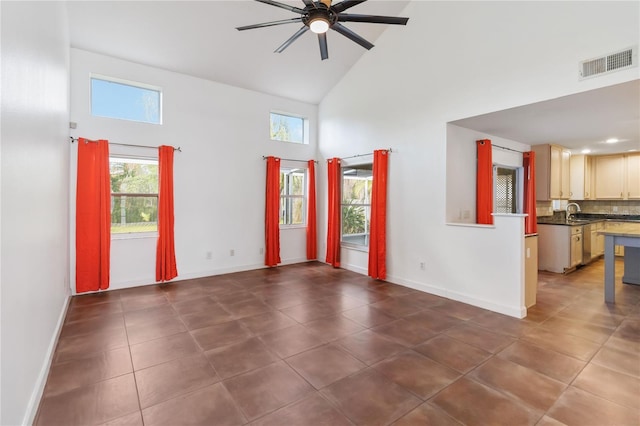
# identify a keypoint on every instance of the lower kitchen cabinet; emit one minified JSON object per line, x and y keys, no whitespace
{"x":559,"y":247}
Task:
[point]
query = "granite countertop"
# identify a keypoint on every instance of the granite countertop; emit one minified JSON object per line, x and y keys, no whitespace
{"x":629,"y":229}
{"x":587,"y":218}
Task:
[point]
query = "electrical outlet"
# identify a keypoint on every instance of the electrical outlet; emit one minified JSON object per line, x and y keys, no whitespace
{"x":261,"y":250}
{"x":232,"y":252}
{"x":466,"y":214}
{"x":209,"y":255}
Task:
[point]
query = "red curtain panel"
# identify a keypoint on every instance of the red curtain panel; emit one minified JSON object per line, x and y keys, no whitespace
{"x":166,"y":268}
{"x":312,"y":233}
{"x":333,"y":224}
{"x":529,"y":165}
{"x":378,"y":229}
{"x":93,"y":216}
{"x":272,"y":213}
{"x":484,"y":183}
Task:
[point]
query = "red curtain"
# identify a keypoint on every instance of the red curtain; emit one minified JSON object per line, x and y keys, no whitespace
{"x":272,"y":213}
{"x":378,"y":229}
{"x":484,"y":183}
{"x":529,"y":165}
{"x":333,"y":225}
{"x":312,"y":233}
{"x":166,"y":268}
{"x":93,"y":216}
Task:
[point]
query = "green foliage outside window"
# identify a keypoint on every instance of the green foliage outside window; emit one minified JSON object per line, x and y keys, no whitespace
{"x":134,"y":195}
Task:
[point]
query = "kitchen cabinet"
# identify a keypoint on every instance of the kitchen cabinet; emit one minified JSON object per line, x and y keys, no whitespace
{"x":597,"y":240}
{"x":580,"y":177}
{"x":617,"y":177}
{"x":633,"y":176}
{"x":559,"y":247}
{"x":552,"y":172}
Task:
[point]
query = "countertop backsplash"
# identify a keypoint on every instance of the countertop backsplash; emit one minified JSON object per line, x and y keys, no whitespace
{"x":609,"y":207}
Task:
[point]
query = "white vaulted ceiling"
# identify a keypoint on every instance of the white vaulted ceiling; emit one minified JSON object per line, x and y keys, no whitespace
{"x":199,"y":38}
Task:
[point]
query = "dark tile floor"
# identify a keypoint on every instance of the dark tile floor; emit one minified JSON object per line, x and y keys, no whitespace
{"x":311,"y":345}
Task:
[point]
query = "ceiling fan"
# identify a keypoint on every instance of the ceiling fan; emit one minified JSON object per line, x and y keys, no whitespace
{"x":321,"y":16}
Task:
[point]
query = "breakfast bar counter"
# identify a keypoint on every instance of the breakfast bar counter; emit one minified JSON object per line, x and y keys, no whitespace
{"x":627,"y":235}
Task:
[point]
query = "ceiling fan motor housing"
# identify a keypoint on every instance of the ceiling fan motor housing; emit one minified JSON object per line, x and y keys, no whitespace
{"x":319,"y":11}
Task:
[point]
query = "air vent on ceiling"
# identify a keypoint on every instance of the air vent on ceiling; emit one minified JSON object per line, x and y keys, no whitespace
{"x":617,"y":61}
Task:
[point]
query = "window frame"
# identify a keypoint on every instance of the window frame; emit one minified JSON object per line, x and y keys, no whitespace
{"x":305,"y":127}
{"x":130,"y":83}
{"x":305,"y":184}
{"x":135,"y":234}
{"x":366,"y":206}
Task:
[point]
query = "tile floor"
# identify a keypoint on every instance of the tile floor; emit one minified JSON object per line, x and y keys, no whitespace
{"x":311,"y":345}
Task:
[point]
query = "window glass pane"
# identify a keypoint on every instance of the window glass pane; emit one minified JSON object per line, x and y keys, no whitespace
{"x":125,"y":101}
{"x":505,"y":190}
{"x":134,"y":214}
{"x":287,"y":128}
{"x":292,"y":196}
{"x":134,"y":195}
{"x":357,"y":182}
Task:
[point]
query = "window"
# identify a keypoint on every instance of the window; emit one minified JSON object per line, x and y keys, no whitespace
{"x":114,"y":98}
{"x":134,"y":195}
{"x":292,"y":196}
{"x":507,"y":189}
{"x":357,"y":182}
{"x":288,"y":128}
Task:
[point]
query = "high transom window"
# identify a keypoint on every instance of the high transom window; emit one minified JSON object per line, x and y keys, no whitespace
{"x":125,"y":100}
{"x":288,"y":128}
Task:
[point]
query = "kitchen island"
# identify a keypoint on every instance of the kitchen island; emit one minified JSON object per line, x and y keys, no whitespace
{"x":627,"y":235}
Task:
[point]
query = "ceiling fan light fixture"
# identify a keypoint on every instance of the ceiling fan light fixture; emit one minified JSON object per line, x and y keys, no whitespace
{"x":319,"y":25}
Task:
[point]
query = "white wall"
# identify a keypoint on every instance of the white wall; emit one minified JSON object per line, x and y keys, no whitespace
{"x":461,"y":168}
{"x":455,"y":60}
{"x":35,"y":187}
{"x":219,"y":177}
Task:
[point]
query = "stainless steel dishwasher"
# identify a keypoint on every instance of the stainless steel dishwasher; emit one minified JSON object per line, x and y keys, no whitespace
{"x":588,"y":244}
{"x":576,"y":246}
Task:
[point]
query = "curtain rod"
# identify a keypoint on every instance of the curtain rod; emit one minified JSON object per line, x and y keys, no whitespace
{"x":364,"y":155}
{"x":291,"y":159}
{"x":508,"y":149}
{"x":124,"y":144}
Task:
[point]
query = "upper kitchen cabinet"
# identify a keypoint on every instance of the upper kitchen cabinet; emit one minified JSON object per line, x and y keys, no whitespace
{"x":617,"y":177}
{"x":633,"y":176}
{"x":552,"y":172}
{"x":581,"y":178}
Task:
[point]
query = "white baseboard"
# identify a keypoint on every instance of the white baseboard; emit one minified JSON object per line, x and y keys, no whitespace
{"x":461,"y":297}
{"x":36,"y":395}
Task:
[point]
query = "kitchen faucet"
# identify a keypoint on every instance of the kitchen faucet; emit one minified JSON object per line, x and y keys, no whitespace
{"x":567,"y":209}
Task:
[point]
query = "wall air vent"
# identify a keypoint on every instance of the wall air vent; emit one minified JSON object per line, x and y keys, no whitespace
{"x":617,"y":61}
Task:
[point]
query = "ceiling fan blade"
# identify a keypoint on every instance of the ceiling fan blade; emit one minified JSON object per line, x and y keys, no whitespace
{"x":308,"y":2}
{"x":346,"y":4}
{"x":283,"y":6}
{"x":269,"y":24}
{"x":324,"y":50}
{"x":372,"y":19}
{"x":291,"y":39}
{"x":351,"y":35}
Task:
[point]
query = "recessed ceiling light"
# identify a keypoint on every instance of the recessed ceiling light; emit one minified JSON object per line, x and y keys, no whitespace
{"x":585,"y":151}
{"x":611,"y":140}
